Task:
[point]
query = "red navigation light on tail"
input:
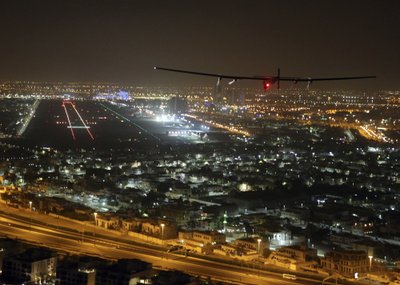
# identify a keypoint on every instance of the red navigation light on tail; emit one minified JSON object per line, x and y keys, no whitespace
{"x":267,"y":84}
{"x":269,"y":81}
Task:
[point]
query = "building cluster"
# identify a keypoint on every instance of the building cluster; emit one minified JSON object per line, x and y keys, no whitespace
{"x":276,"y":205}
{"x":25,"y":264}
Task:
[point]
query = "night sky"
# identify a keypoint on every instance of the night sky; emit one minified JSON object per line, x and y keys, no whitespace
{"x":121,"y":41}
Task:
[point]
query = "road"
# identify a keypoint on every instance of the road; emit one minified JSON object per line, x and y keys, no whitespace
{"x":89,"y":243}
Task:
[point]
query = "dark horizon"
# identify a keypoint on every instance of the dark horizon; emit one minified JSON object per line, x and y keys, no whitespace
{"x":121,"y":41}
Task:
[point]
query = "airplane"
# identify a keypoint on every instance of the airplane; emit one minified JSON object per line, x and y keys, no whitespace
{"x":268,"y":81}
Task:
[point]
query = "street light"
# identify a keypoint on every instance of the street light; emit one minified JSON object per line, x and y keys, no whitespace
{"x":30,"y":208}
{"x":95,"y":223}
{"x":258,"y":245}
{"x":370,"y":261}
{"x":162,"y":231}
{"x":162,"y":238}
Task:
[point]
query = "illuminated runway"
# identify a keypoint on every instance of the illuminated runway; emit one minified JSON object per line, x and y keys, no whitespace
{"x":81,"y":122}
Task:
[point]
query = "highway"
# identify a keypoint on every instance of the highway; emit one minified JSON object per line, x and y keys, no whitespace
{"x":90,"y":243}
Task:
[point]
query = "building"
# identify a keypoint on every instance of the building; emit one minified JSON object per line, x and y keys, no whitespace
{"x":133,"y":224}
{"x":294,"y":257}
{"x":204,"y":237}
{"x":236,"y":252}
{"x":10,"y":247}
{"x":122,"y":272}
{"x":161,"y":229}
{"x":201,"y":241}
{"x":212,"y":237}
{"x":107,"y":221}
{"x":34,"y":265}
{"x":181,"y":214}
{"x":300,"y":253}
{"x":252,"y":243}
{"x":76,"y":272}
{"x":348,"y":263}
{"x":281,"y":237}
{"x":152,"y":227}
